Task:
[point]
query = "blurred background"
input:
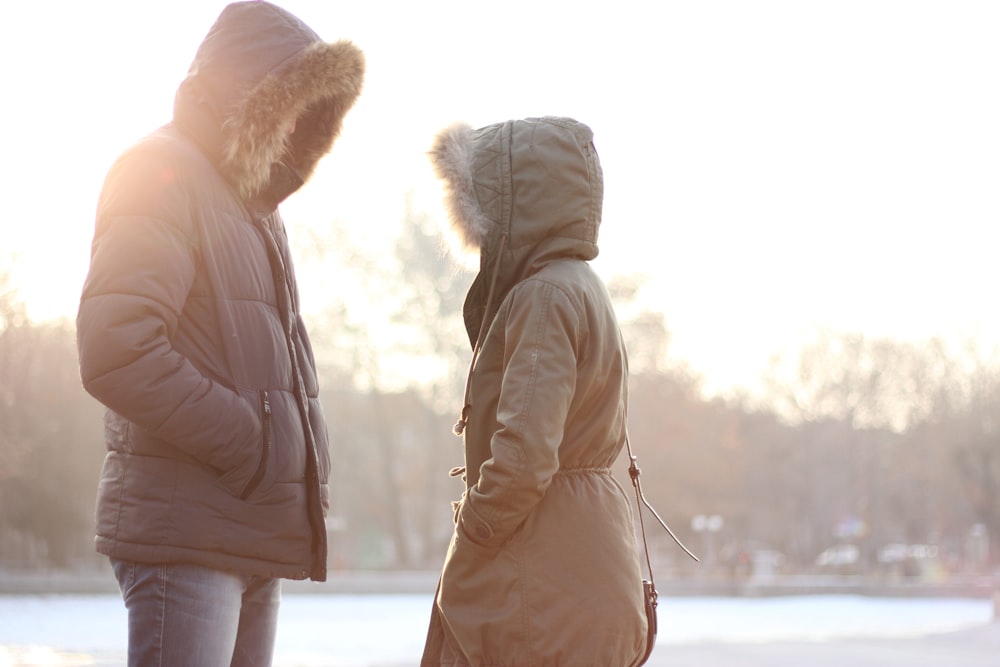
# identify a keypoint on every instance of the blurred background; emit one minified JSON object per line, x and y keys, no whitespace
{"x":799,"y":234}
{"x":859,"y":456}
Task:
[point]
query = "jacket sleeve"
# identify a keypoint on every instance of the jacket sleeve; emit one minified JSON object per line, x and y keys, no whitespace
{"x":537,"y":388}
{"x":143,"y":263}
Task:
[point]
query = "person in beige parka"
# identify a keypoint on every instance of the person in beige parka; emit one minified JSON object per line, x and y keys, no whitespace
{"x":542,"y":568}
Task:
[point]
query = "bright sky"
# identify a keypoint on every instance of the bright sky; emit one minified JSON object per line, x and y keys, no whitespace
{"x":771,"y":166}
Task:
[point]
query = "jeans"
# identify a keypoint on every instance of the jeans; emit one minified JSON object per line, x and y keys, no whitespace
{"x":191,"y":616}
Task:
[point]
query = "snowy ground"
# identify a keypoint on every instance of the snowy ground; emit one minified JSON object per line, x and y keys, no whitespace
{"x":388,"y":630}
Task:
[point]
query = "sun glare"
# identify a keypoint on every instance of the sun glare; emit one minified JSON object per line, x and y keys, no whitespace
{"x":773,"y":167}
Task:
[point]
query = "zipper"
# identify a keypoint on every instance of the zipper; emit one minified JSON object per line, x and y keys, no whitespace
{"x":265,"y":408}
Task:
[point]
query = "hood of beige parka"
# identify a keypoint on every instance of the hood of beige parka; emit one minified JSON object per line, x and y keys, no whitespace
{"x":537,"y":182}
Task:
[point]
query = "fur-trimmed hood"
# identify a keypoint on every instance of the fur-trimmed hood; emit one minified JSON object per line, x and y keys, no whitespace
{"x":531,"y":179}
{"x":258,"y":70}
{"x":537,"y":182}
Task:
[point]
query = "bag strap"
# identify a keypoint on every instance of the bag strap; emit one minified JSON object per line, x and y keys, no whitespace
{"x":640,"y":502}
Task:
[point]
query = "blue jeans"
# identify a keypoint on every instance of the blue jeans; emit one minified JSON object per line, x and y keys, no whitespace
{"x":191,"y":616}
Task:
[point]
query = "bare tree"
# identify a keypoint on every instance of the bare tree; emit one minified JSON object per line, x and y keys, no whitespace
{"x":868,"y":382}
{"x":433,"y":289}
{"x":403,"y":349}
{"x":50,"y":443}
{"x":976,"y":447}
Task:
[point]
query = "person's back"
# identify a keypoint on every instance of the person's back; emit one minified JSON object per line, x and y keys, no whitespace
{"x":214,"y":486}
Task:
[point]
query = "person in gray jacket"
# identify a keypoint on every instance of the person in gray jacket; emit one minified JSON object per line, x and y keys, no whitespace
{"x":214,"y":487}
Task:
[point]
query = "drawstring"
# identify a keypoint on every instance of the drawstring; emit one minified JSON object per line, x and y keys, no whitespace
{"x":463,"y":418}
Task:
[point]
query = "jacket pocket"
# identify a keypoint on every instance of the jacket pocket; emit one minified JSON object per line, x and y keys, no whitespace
{"x":265,"y":450}
{"x":475,"y":578}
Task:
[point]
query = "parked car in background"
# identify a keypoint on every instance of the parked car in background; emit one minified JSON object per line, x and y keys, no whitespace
{"x":840,"y":559}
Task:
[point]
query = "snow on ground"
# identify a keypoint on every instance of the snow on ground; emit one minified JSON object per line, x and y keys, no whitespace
{"x":384,"y":630}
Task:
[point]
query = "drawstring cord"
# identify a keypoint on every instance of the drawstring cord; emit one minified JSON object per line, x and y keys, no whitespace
{"x":463,"y":418}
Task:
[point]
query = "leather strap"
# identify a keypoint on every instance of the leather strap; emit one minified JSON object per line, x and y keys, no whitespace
{"x":640,"y":502}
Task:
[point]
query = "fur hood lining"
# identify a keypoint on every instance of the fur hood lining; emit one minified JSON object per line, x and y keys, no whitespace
{"x":451,"y":156}
{"x":315,"y":90}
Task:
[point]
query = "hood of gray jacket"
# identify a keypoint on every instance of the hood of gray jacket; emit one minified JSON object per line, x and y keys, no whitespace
{"x":258,"y":70}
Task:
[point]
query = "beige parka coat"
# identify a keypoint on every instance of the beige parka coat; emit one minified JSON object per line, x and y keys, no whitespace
{"x":542,"y":568}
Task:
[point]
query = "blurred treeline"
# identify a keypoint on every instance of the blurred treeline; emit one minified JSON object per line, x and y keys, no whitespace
{"x":856,"y":440}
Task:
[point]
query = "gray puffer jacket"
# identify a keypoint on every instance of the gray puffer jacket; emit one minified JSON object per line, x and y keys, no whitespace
{"x":188,"y":328}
